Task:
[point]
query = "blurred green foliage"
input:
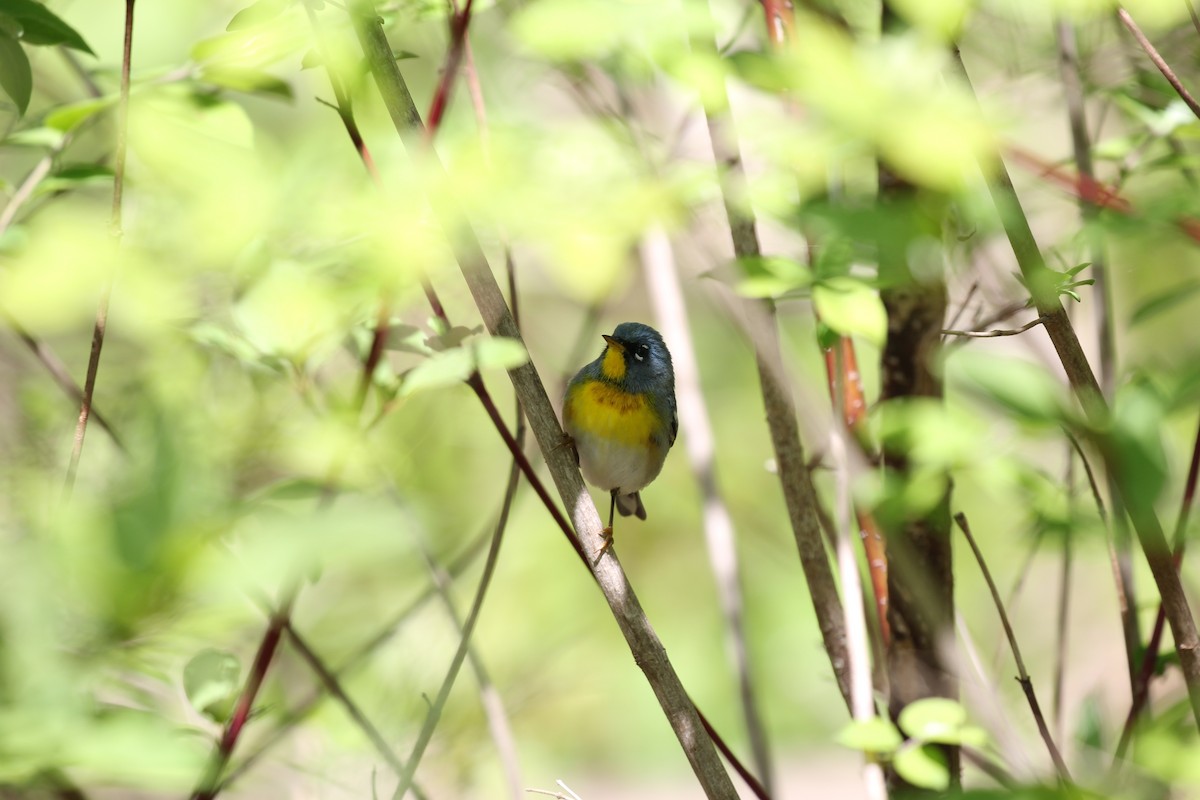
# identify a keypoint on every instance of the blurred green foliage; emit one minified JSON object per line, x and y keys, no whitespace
{"x":255,"y":254}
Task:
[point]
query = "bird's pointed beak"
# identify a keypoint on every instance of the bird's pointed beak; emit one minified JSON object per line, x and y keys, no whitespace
{"x":613,"y":343}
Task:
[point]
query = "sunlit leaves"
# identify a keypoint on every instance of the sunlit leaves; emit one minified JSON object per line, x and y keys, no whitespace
{"x":940,"y":720}
{"x":211,"y":682}
{"x":873,"y":735}
{"x":578,"y":197}
{"x":850,"y":307}
{"x":898,"y":96}
{"x":577,"y":30}
{"x":927,"y":722}
{"x":942,"y":19}
{"x":771,"y":276}
{"x":454,"y":365}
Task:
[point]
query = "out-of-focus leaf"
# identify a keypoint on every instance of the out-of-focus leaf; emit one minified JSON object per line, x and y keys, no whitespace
{"x":258,"y":12}
{"x":210,"y":680}
{"x":444,"y":369}
{"x":36,"y":137}
{"x":78,"y":176}
{"x":67,"y":118}
{"x":452,"y":338}
{"x":923,"y":766}
{"x":16,"y":78}
{"x":874,"y":735}
{"x":933,"y":719}
{"x":1137,"y":428}
{"x":13,"y":239}
{"x":941,"y":18}
{"x":771,"y":276}
{"x":851,"y":307}
{"x":498,"y":352}
{"x":39,"y":25}
{"x":1025,"y":389}
{"x":403,"y":337}
{"x":1164,"y":302}
{"x":255,"y":46}
{"x":251,"y":81}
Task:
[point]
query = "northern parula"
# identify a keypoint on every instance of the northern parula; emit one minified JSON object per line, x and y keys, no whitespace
{"x":620,"y":412}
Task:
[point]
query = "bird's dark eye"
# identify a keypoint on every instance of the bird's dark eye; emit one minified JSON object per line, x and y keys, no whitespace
{"x":641,"y":352}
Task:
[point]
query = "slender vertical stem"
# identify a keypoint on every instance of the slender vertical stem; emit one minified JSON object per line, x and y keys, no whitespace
{"x":666,"y":294}
{"x":115,"y":228}
{"x":1023,"y":676}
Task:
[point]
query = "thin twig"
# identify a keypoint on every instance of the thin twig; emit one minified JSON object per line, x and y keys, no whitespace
{"x":58,"y":371}
{"x":1023,"y":676}
{"x":358,"y":658}
{"x":1158,"y":61}
{"x":334,"y":687}
{"x":493,"y":706}
{"x":993,"y":333}
{"x":115,"y":229}
{"x":666,"y":294}
{"x":468,"y":627}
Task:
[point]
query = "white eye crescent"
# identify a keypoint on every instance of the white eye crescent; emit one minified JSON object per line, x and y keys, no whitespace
{"x":640,"y":353}
{"x":639,"y":356}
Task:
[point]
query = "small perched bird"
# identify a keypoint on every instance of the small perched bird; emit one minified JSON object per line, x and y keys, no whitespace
{"x":620,"y":412}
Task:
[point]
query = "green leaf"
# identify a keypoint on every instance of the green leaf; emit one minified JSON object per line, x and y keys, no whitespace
{"x":408,"y":338}
{"x":1024,"y":389}
{"x":923,"y":766}
{"x":41,"y":26}
{"x":69,"y":117}
{"x":1137,"y":440}
{"x":933,"y":719}
{"x":874,"y":735}
{"x":16,"y":78}
{"x":452,"y":338}
{"x":252,"y":81}
{"x":36,"y":137}
{"x":77,"y":176}
{"x":498,"y":352}
{"x":769,"y":276}
{"x":210,"y":681}
{"x":1164,"y":302}
{"x":255,"y":13}
{"x":444,"y":369}
{"x":850,"y":307}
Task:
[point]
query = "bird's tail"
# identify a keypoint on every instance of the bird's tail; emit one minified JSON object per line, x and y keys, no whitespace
{"x":630,"y":505}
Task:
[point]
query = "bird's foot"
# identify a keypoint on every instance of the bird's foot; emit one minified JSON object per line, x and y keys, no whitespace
{"x":607,"y":536}
{"x":568,"y":441}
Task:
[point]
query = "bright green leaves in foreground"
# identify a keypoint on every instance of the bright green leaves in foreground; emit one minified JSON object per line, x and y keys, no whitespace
{"x":25,"y":22}
{"x":929,"y":722}
{"x":211,"y":681}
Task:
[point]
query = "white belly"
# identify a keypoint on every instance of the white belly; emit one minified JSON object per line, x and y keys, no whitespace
{"x":612,"y":465}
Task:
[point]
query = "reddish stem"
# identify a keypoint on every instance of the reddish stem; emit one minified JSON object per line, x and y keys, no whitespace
{"x":459,"y":21}
{"x":210,"y":784}
{"x":1089,"y":190}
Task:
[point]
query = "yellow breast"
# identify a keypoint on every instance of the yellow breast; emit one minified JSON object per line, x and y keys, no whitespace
{"x":600,"y":409}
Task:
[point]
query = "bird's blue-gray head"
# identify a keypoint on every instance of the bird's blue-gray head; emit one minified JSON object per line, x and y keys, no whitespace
{"x":637,"y":355}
